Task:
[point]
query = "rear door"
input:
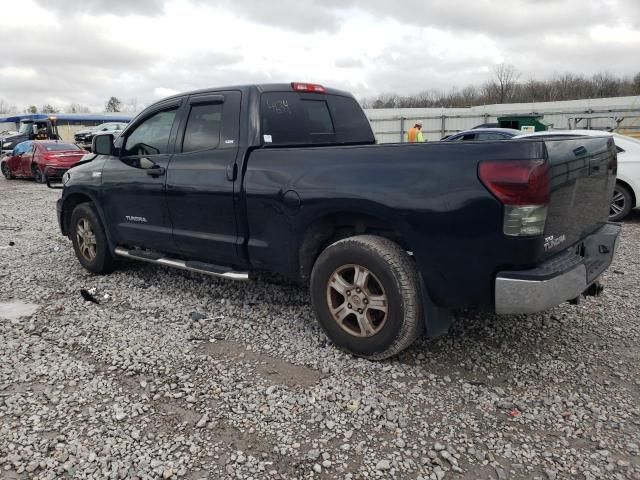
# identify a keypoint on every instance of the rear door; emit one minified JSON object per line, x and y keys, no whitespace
{"x":201,"y":178}
{"x":133,"y":183}
{"x":583,"y":174}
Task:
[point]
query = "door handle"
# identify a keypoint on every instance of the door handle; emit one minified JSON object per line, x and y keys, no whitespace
{"x":156,"y":171}
{"x":232,"y":172}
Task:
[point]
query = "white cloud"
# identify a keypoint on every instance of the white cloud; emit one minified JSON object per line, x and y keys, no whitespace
{"x":80,"y":51}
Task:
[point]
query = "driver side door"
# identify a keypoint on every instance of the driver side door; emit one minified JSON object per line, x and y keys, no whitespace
{"x":26,"y":159}
{"x":134,"y":181}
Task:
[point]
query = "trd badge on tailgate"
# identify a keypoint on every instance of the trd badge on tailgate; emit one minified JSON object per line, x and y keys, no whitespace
{"x":552,"y":242}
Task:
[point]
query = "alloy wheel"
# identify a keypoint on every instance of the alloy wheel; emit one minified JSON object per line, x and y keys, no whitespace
{"x":86,"y":239}
{"x":618,"y":203}
{"x":357,"y":300}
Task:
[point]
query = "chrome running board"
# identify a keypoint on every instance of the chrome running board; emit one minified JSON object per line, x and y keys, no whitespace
{"x":192,"y":266}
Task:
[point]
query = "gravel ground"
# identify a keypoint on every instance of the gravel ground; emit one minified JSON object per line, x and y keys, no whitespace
{"x":138,"y":387}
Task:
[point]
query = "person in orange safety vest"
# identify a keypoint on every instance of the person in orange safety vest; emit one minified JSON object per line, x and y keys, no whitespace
{"x":415,"y":133}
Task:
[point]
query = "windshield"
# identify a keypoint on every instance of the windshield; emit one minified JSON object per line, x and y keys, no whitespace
{"x":25,"y":127}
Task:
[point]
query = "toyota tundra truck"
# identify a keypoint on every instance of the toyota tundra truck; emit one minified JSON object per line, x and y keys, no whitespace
{"x":287,"y":178}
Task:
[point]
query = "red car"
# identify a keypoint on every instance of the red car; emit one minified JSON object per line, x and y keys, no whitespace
{"x":31,"y":159}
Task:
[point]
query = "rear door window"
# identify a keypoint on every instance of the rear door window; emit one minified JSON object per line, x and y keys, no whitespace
{"x":213,"y":122}
{"x":203,"y":128}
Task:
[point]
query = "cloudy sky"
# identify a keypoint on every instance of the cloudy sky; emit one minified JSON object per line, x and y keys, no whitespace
{"x":84,"y":51}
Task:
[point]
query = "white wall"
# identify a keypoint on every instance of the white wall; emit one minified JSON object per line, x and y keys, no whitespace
{"x":386,"y":122}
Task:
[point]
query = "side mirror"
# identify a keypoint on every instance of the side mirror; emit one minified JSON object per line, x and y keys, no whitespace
{"x":102,"y":144}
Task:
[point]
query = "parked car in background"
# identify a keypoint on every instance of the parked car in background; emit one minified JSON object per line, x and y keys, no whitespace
{"x":479,"y":134}
{"x":626,"y":194}
{"x":38,"y":159}
{"x":83,"y":138}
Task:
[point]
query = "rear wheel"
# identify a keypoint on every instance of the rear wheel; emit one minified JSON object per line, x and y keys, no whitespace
{"x":37,"y":174}
{"x":621,"y":203}
{"x":366,"y":295}
{"x":6,"y":171}
{"x":89,"y":240}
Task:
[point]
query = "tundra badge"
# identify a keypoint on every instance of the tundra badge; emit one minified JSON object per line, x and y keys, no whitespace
{"x":135,"y":219}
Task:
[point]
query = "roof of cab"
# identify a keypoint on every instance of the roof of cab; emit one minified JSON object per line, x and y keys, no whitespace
{"x":262,"y":88}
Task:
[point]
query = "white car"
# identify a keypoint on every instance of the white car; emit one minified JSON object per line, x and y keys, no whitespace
{"x":626,"y":194}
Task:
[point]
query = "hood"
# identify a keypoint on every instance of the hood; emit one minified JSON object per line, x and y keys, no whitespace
{"x":10,"y":138}
{"x":13,"y":140}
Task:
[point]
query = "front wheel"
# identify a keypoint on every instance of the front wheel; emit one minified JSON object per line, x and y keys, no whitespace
{"x":6,"y":171}
{"x":366,"y":295}
{"x":621,"y":203}
{"x":89,"y":240}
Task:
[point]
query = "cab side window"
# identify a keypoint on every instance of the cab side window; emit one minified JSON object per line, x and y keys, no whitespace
{"x":151,"y":137}
{"x":203,"y":128}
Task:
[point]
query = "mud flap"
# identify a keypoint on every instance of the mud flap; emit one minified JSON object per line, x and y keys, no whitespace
{"x":437,"y":320}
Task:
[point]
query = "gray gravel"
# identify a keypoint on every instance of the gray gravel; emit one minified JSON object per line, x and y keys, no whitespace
{"x":249,"y":387}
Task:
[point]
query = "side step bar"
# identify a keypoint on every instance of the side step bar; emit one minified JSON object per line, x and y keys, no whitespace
{"x":198,"y":267}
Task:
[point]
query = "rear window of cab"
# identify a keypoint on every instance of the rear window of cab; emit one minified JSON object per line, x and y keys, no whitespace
{"x":291,"y":118}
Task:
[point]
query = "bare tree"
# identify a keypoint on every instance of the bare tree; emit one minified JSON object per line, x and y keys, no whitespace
{"x":77,"y":108}
{"x":506,"y":88}
{"x":48,"y":108}
{"x":636,"y":84}
{"x":6,"y":108}
{"x":133,"y":104}
{"x":506,"y":79}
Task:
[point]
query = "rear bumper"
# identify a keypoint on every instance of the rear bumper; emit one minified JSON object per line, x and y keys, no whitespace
{"x":560,"y":278}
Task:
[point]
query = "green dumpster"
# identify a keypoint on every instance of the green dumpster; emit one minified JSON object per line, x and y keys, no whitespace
{"x":530,"y":122}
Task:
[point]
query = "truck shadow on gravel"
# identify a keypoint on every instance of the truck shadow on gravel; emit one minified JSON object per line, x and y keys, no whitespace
{"x":487,"y":349}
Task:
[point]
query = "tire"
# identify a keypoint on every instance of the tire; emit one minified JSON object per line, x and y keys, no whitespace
{"x":37,"y":174}
{"x":621,"y":203}
{"x":6,"y":171}
{"x":391,"y":315}
{"x":92,"y":255}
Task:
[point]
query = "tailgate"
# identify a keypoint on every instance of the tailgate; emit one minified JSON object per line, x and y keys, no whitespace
{"x":583,"y":174}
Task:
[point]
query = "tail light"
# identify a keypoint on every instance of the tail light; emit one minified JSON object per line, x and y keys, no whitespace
{"x":307,"y":87}
{"x":524,"y":188}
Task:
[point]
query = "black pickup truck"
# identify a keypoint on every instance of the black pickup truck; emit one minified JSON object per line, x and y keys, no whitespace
{"x":287,"y":178}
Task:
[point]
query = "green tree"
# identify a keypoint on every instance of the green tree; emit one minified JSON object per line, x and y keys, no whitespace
{"x":31,"y":109}
{"x":113,"y":105}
